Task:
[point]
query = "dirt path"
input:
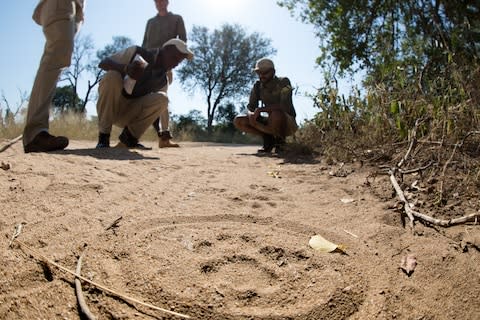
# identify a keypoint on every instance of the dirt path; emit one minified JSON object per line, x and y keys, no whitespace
{"x":217,"y":232}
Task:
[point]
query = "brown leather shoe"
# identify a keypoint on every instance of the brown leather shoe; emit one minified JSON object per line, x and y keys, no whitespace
{"x":45,"y":142}
{"x":167,"y":144}
{"x":164,"y":140}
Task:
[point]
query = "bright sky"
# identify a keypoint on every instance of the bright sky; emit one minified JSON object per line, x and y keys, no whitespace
{"x":296,"y":45}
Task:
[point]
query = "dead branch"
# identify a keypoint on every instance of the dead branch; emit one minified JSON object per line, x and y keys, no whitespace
{"x":114,"y":224}
{"x":16,"y":233}
{"x":78,"y":290}
{"x":122,"y":296}
{"x":468,"y":135}
{"x":401,"y":195}
{"x":11,"y":143}
{"x":392,"y":171}
{"x":446,"y":223}
{"x":416,"y":169}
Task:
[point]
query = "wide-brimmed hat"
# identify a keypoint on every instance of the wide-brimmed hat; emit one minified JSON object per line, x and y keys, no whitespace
{"x":181,"y":46}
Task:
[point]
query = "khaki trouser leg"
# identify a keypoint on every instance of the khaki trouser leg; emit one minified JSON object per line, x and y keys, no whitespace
{"x":164,"y":114}
{"x":114,"y":109}
{"x":56,"y":56}
{"x":110,"y":101}
{"x":147,"y":109}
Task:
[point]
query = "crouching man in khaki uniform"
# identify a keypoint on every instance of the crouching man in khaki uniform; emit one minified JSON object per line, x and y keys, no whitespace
{"x":135,"y":111}
{"x":275,"y":95}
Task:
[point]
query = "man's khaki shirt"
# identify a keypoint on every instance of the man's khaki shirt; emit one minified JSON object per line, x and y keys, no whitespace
{"x":277,"y":91}
{"x":160,"y":29}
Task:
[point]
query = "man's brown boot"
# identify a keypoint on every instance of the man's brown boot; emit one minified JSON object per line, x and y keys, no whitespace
{"x":45,"y":142}
{"x":164,"y":140}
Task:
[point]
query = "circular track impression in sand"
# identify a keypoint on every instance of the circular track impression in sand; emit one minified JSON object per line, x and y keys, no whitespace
{"x":239,"y":269}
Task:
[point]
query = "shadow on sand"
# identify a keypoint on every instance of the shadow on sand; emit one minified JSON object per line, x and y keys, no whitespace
{"x":108,"y":154}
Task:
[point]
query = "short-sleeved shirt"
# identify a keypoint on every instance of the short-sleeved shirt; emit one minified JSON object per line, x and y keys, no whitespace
{"x":277,"y":91}
{"x":160,"y":29}
{"x":153,"y":79}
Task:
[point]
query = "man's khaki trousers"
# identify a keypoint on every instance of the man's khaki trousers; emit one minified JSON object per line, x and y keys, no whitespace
{"x":114,"y":109}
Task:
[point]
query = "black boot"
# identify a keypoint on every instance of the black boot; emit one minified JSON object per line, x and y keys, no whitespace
{"x":128,"y":139}
{"x":268,"y":144}
{"x":279,"y":144}
{"x":103,"y":140}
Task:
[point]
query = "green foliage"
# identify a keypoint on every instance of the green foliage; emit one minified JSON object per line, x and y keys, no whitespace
{"x":372,"y":35}
{"x":421,"y":66}
{"x":66,"y":100}
{"x":190,"y":126}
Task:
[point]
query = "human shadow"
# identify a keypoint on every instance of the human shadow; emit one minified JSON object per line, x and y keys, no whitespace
{"x":108,"y":153}
{"x":288,"y":157}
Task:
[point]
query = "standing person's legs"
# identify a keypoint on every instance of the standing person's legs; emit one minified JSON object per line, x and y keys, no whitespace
{"x":162,"y":124}
{"x":156,"y":123}
{"x":56,"y":56}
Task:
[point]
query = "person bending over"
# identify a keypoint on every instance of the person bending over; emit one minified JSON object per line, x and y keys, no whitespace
{"x":135,"y":110}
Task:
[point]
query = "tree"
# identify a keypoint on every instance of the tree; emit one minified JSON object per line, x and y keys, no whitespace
{"x":224,"y":120}
{"x":383,"y":36}
{"x":222,"y":67}
{"x":193,"y":123}
{"x":11,"y":112}
{"x":63,"y":100}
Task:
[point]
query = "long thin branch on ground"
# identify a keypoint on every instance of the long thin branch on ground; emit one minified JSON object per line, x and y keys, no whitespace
{"x":78,"y":290}
{"x":425,"y":167}
{"x":412,"y":214}
{"x":401,"y":195}
{"x":11,"y":143}
{"x":447,"y":223}
{"x":392,"y":171}
{"x":35,"y":253}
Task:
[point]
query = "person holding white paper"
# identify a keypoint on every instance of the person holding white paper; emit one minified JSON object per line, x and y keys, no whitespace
{"x":135,"y":111}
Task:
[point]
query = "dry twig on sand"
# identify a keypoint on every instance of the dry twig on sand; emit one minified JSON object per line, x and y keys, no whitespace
{"x":99,"y":286}
{"x":393,"y":171}
{"x":401,"y":195}
{"x":10,"y":143}
{"x":114,"y":224}
{"x":78,"y":290}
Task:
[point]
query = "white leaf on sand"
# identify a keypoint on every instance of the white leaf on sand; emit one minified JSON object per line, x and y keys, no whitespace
{"x":408,"y":264}
{"x":319,"y":243}
{"x":347,"y":200}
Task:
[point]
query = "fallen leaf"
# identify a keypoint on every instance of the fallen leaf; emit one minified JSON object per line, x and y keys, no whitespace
{"x":275,"y":174}
{"x":345,"y":200}
{"x":408,"y":264}
{"x":319,"y":243}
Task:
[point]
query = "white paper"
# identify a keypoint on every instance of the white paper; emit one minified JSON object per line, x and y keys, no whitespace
{"x":129,"y":83}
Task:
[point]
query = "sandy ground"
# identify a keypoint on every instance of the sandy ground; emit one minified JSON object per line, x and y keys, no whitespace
{"x":218,"y":232}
